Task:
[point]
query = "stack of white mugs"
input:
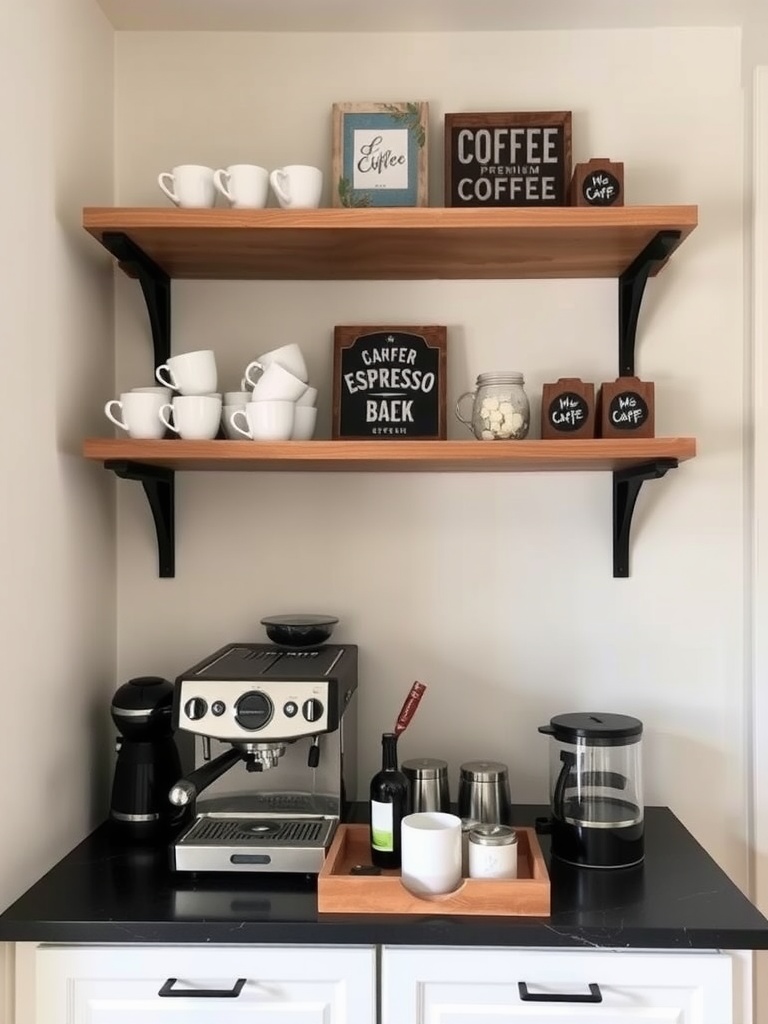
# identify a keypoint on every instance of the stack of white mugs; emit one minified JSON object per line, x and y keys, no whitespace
{"x":275,"y":401}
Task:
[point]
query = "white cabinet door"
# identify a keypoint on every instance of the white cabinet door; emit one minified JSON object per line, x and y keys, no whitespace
{"x":267,"y":985}
{"x":494,"y":986}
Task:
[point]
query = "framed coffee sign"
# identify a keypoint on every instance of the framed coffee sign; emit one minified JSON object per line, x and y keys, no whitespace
{"x":508,"y":159}
{"x":389,"y":382}
{"x":379,"y":154}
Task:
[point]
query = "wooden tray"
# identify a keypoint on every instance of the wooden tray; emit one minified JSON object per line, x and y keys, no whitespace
{"x":339,"y":892}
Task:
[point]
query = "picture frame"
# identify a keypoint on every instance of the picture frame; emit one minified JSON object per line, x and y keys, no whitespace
{"x":379,"y":154}
{"x":503,"y":159}
{"x":389,"y":383}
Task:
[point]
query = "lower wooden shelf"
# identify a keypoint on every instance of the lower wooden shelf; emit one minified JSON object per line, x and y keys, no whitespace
{"x":393,"y":456}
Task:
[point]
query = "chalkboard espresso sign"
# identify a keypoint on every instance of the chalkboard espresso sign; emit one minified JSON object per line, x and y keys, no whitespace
{"x":508,"y":159}
{"x":389,"y":383}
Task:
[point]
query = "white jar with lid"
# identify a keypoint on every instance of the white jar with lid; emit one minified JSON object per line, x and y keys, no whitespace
{"x":500,"y":407}
{"x":492,"y":852}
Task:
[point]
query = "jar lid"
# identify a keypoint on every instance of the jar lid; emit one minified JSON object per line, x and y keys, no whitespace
{"x":500,"y":377}
{"x":424,"y":768}
{"x":493,"y":835}
{"x":483,"y":771}
{"x":599,"y":730}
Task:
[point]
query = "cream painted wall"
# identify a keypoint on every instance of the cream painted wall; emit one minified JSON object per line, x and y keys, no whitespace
{"x":57,"y":628}
{"x":494,"y":590}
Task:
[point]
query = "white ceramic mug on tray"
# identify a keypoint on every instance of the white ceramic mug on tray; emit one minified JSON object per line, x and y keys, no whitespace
{"x":430,"y":843}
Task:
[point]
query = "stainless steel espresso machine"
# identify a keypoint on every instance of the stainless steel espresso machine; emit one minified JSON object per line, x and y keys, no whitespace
{"x":272,"y":799}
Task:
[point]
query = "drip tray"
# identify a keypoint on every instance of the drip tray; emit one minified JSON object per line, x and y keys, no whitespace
{"x":254,"y":844}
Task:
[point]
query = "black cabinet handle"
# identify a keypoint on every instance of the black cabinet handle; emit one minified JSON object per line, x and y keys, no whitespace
{"x":201,"y":993}
{"x":595,"y":996}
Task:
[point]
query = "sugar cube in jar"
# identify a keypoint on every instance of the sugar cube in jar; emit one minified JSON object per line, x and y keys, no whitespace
{"x":500,"y":408}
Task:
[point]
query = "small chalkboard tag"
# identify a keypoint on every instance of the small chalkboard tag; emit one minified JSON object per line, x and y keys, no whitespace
{"x":599,"y":182}
{"x":508,"y":159}
{"x":627,"y":408}
{"x":568,"y":409}
{"x":389,"y":383}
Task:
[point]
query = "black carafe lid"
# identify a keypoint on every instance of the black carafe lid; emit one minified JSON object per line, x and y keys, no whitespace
{"x":595,"y":728}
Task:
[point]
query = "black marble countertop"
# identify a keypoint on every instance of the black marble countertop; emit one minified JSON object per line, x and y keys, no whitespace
{"x":104,"y":892}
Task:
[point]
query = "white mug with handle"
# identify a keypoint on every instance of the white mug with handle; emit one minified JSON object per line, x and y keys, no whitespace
{"x":140,"y":414}
{"x":191,"y":186}
{"x":246,"y":186}
{"x":297,"y":186}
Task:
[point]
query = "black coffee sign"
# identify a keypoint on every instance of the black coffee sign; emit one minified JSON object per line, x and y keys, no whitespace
{"x":627,"y":411}
{"x":568,"y":412}
{"x":508,"y":159}
{"x":389,"y":383}
{"x":600,"y":188}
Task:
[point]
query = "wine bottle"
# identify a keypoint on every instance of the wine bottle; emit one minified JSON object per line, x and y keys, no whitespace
{"x":389,"y":805}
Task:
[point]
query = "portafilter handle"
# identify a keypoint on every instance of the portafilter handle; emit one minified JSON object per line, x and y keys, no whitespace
{"x":189,"y":788}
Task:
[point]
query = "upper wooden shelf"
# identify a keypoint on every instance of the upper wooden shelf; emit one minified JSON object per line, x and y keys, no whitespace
{"x":395,"y":244}
{"x":392,"y":456}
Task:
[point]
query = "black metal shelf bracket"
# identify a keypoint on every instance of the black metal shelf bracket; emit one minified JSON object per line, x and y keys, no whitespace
{"x":631,"y":289}
{"x":155,"y":284}
{"x":159,"y":487}
{"x":626,"y":487}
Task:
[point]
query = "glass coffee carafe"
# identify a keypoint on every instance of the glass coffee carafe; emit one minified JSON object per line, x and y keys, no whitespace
{"x":596,"y":789}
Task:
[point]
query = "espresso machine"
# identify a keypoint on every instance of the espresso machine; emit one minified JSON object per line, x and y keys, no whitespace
{"x":283,"y":722}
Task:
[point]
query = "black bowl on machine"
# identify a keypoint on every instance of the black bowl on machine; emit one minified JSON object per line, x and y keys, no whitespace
{"x":299,"y":630}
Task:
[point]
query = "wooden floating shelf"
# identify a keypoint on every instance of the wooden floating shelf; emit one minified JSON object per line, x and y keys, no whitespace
{"x":393,"y":456}
{"x":409,"y":243}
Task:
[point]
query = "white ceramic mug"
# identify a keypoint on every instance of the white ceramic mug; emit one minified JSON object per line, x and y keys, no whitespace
{"x":297,"y":186}
{"x":264,"y":421}
{"x":308,"y":398}
{"x":140,"y":412}
{"x":277,"y":384}
{"x":191,"y":186}
{"x":237,"y":397}
{"x":166,"y":393}
{"x":430,"y":844}
{"x":191,"y":373}
{"x":290,"y":357}
{"x":193,"y":417}
{"x":304,"y":420}
{"x":232,"y":433}
{"x":246,"y":186}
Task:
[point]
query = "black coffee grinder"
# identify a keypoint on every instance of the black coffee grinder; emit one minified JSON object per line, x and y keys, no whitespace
{"x":148,"y":761}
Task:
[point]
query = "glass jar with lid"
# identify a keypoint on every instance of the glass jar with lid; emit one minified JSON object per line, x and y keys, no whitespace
{"x":500,"y":408}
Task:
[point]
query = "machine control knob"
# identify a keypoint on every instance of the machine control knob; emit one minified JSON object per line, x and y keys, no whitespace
{"x":254,"y":710}
{"x":195,"y":708}
{"x":312,"y":709}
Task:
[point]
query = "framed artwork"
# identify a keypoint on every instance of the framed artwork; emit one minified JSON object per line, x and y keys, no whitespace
{"x":379,"y":154}
{"x":389,"y":383}
{"x":508,"y":159}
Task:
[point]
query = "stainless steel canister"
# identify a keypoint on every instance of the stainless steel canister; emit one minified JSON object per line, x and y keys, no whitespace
{"x":484,"y":792}
{"x":428,"y":782}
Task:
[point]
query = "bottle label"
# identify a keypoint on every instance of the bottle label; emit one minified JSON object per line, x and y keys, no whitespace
{"x":382,"y":831}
